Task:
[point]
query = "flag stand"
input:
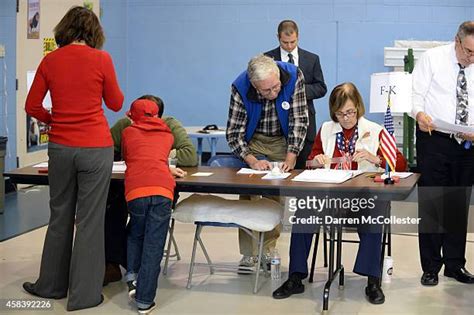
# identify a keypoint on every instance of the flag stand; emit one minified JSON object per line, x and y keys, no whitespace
{"x":388,"y":180}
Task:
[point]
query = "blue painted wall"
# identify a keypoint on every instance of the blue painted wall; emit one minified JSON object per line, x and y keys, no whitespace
{"x":8,"y":94}
{"x":189,"y":51}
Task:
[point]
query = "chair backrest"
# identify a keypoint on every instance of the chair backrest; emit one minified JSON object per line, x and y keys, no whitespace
{"x":226,"y":161}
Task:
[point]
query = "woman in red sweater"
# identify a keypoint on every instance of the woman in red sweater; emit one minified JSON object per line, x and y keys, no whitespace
{"x":79,"y":76}
{"x":351,"y":135}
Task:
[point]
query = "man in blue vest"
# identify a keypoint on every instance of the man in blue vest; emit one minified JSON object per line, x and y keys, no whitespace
{"x":268,"y":121}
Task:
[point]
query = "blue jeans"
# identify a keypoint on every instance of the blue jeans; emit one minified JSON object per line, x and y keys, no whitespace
{"x":147,"y":230}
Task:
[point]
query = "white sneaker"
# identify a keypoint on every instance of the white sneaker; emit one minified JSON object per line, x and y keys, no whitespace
{"x":132,"y":289}
{"x":147,"y":310}
{"x":248,"y":261}
{"x":247,"y":264}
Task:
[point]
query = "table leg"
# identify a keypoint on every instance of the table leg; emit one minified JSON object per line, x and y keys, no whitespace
{"x":332,"y":274}
{"x":199,"y":151}
{"x":339,"y":265}
{"x":213,"y":146}
{"x":327,"y":287}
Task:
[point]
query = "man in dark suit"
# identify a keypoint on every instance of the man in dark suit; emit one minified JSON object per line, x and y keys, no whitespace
{"x":313,"y":76}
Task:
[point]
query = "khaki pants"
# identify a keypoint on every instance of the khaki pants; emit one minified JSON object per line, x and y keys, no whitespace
{"x":274,"y":149}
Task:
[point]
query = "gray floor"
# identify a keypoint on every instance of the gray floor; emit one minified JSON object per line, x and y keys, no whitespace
{"x":227,"y":293}
{"x":25,"y":210}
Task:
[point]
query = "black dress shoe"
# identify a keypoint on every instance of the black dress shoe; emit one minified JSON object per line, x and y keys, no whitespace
{"x":429,"y":278}
{"x":374,"y":294}
{"x":30,"y":288}
{"x":288,"y":288}
{"x":461,"y":275}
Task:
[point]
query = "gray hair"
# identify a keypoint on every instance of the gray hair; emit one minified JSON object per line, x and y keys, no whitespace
{"x":261,"y":67}
{"x":465,"y":29}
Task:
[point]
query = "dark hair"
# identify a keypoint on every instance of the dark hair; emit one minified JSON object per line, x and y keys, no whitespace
{"x":79,"y":24}
{"x":158,"y":101}
{"x":340,"y":95}
{"x":465,"y":29}
{"x":288,"y":27}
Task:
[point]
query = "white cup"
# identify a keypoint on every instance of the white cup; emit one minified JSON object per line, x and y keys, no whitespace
{"x":387,"y":270}
{"x":276,"y":168}
{"x":172,"y":162}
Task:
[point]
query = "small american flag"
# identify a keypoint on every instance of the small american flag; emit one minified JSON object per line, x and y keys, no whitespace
{"x":388,"y":145}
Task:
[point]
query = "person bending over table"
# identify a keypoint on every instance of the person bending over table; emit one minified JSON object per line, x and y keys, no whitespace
{"x":268,"y":119}
{"x":348,"y":134}
{"x":149,"y":191}
{"x":116,"y":212}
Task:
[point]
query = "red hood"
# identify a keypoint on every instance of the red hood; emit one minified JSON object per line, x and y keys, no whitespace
{"x":151,"y":124}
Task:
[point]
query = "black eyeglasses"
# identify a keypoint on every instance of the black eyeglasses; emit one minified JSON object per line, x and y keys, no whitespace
{"x":349,"y":114}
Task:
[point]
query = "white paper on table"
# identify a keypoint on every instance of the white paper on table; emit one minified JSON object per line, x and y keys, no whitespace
{"x":251,"y":171}
{"x":42,"y":164}
{"x":216,"y":132}
{"x":276,"y":176}
{"x":119,"y":167}
{"x":401,"y":175}
{"x":444,"y":126}
{"x":326,"y":176}
{"x":202,"y":174}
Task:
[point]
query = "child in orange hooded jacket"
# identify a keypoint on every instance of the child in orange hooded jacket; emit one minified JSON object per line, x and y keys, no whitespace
{"x":149,"y":190}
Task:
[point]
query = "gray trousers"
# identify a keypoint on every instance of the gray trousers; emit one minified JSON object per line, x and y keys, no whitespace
{"x":79,"y":180}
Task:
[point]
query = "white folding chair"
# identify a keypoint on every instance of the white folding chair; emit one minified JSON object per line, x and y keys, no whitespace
{"x":261,"y":216}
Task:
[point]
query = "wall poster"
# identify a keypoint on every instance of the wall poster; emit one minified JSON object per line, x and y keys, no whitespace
{"x":33,"y":21}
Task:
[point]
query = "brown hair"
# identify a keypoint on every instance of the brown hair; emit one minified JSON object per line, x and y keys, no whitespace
{"x":79,"y":24}
{"x":340,"y":95}
{"x":158,"y":101}
{"x":288,"y":27}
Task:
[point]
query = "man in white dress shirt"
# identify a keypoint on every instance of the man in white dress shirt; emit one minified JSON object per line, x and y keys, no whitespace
{"x":443,"y":89}
{"x":314,"y":85}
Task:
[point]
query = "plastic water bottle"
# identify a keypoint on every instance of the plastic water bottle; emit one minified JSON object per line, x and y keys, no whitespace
{"x":387,"y":269}
{"x":275,"y":265}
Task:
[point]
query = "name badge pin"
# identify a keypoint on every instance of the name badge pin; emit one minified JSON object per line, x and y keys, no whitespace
{"x":285,"y":105}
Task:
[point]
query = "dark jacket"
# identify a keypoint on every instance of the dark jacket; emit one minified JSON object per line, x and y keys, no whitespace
{"x":314,"y":83}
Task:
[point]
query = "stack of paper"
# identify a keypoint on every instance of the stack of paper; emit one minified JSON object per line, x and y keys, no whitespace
{"x":276,"y":176}
{"x":248,"y":171}
{"x":401,"y":175}
{"x":119,"y":167}
{"x":326,"y":176}
{"x":42,"y":164}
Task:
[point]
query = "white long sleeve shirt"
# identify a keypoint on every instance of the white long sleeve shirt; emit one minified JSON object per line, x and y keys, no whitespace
{"x":434,"y":84}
